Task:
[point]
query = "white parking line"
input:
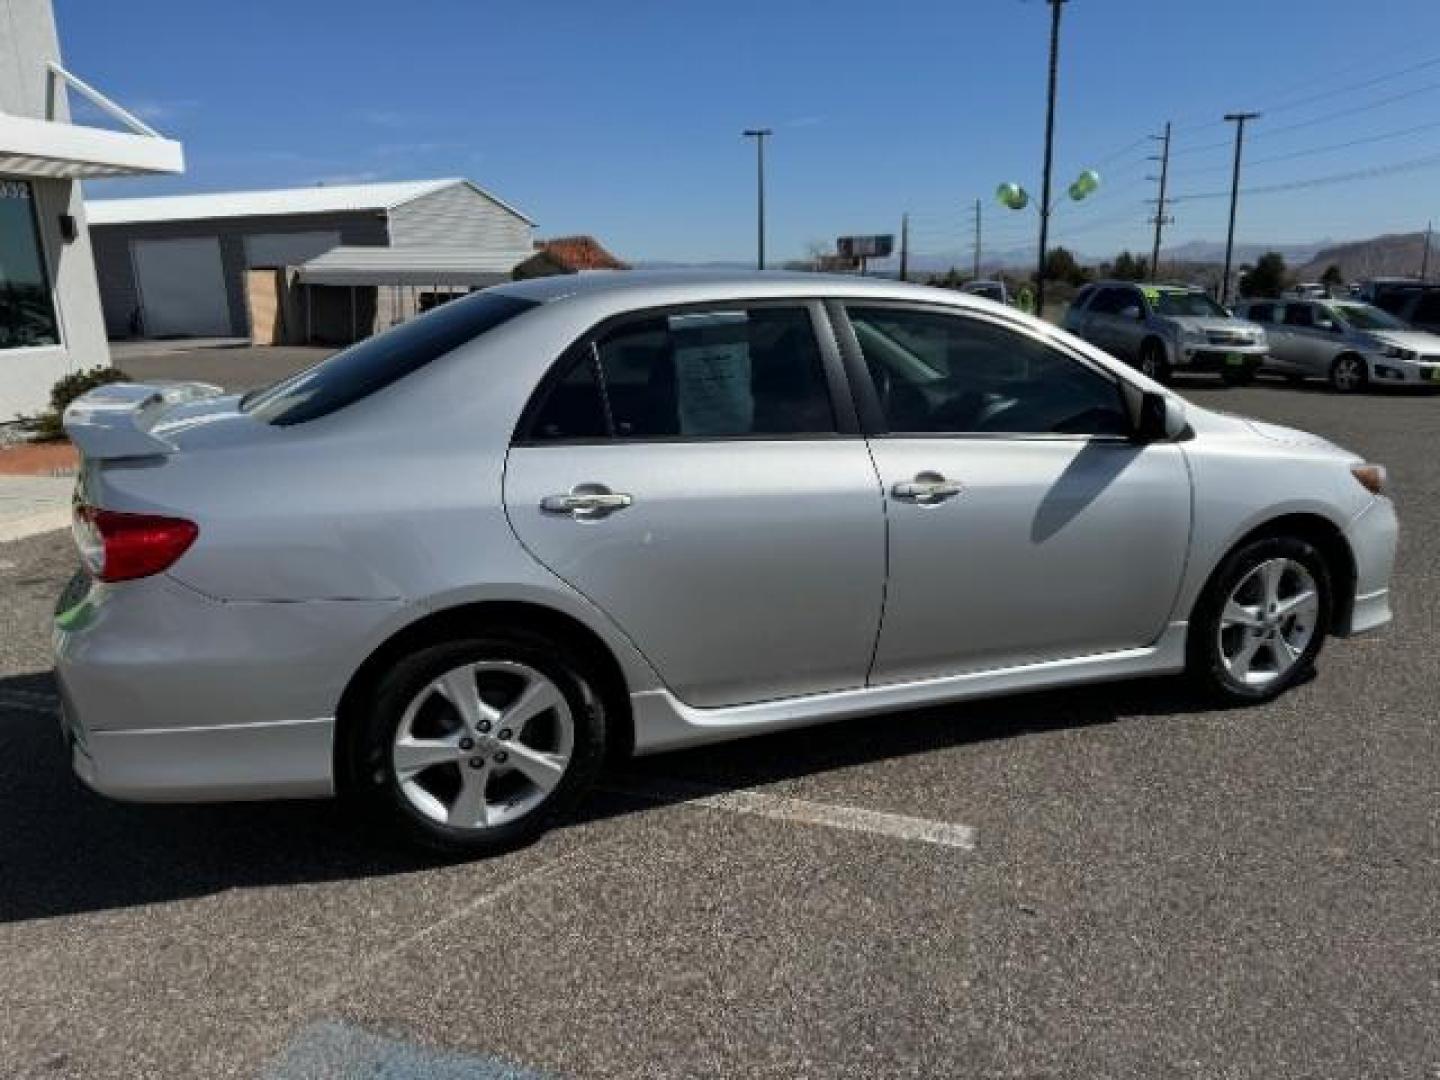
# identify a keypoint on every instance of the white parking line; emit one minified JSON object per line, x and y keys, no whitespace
{"x":743,"y":801}
{"x":803,"y":811}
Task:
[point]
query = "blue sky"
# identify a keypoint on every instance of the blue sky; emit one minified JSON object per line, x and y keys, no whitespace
{"x":622,"y":118}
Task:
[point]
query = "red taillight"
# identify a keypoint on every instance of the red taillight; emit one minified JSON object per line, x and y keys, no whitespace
{"x":122,"y":547}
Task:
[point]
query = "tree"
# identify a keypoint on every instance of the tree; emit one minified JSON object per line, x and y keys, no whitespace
{"x":1129,"y":267}
{"x":1332,"y":277}
{"x":1266,"y":278}
{"x":1060,"y":265}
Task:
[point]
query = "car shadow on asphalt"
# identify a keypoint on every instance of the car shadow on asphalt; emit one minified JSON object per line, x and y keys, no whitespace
{"x":65,"y":850}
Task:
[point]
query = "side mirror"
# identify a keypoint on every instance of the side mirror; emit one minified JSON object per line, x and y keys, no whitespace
{"x":1132,"y":312}
{"x":1154,"y":417}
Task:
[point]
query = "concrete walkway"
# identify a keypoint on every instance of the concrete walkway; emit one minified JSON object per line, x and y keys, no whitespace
{"x":33,"y":504}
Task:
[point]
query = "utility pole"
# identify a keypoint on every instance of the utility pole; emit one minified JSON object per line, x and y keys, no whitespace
{"x":976,"y":276}
{"x":1425,"y":255}
{"x":1160,"y":218}
{"x":759,"y":135}
{"x":1238,"y":119}
{"x":904,"y":246}
{"x":1055,"y":6}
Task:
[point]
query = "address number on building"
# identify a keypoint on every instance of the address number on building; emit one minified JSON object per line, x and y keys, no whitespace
{"x":14,"y":189}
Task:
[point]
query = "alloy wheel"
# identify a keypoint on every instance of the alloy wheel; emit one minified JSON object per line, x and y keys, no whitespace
{"x":1268,"y":622}
{"x":1348,"y":374}
{"x":483,"y":744}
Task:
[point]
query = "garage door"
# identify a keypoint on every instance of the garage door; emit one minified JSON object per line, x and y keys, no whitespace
{"x":182,"y":287}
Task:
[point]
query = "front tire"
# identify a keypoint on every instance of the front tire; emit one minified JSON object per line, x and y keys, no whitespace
{"x":1348,"y":374}
{"x":1261,"y":621}
{"x":1153,"y":363}
{"x":474,"y":747}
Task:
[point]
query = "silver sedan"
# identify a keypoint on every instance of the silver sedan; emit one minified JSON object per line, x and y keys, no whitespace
{"x":452,"y":569}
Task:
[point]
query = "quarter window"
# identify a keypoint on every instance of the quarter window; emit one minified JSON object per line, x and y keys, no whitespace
{"x":27,"y":308}
{"x":943,"y":374}
{"x":724,"y":373}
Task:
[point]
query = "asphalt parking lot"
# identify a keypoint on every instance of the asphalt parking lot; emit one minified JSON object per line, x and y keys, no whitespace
{"x":1131,"y":886}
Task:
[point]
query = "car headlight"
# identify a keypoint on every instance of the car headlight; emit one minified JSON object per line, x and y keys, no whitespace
{"x":1192,"y":337}
{"x":1260,"y":339}
{"x":1394,"y":352}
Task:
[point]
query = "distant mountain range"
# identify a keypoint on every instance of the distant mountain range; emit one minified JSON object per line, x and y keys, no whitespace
{"x":1395,"y":254}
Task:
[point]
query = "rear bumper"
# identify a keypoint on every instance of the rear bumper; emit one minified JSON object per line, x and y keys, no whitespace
{"x":285,"y":760}
{"x":168,"y":695}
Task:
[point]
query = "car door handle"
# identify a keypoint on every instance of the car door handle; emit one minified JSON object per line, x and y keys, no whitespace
{"x":927,"y":487}
{"x":586,"y":501}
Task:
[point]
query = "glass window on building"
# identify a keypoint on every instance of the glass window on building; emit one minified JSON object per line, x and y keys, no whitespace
{"x":27,"y":308}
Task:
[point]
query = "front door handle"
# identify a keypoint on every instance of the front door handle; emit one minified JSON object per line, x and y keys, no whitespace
{"x":927,"y":488}
{"x":586,"y":501}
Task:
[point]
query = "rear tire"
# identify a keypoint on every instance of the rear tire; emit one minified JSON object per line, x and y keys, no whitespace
{"x":493,"y":772}
{"x":1153,"y":363}
{"x":1253,"y":634}
{"x":1348,"y":374}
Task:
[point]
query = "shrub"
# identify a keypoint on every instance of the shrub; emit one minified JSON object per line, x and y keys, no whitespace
{"x":48,"y":425}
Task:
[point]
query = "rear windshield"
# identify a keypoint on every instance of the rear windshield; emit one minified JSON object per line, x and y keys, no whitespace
{"x":375,"y":363}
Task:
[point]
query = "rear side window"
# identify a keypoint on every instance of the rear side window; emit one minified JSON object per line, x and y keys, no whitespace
{"x":375,"y":363}
{"x":732,"y":372}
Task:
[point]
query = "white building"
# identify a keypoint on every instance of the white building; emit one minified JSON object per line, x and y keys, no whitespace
{"x":50,"y":321}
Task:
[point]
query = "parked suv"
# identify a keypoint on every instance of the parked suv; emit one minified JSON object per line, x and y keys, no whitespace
{"x":1164,"y":329}
{"x":1345,"y":342}
{"x":1420,"y":308}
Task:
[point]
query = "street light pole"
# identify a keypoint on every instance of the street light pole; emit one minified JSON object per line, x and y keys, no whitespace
{"x":759,"y":135}
{"x":1238,"y":119}
{"x":1055,"y":6}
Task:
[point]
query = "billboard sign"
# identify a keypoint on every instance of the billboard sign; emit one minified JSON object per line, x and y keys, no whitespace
{"x":865,"y":247}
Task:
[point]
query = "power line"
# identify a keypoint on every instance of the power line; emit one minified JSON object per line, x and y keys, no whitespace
{"x":1339,"y":90}
{"x":1321,"y":181}
{"x":1313,"y":150}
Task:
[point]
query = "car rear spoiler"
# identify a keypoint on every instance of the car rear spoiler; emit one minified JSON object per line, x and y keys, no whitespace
{"x":116,"y":420}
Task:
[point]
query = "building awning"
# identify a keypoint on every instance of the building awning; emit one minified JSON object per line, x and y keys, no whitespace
{"x":54,"y":148}
{"x":409,"y":266}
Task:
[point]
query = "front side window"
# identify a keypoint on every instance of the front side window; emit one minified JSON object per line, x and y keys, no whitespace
{"x":937,"y":373}
{"x":1302,"y":315}
{"x":1108,"y":302}
{"x":1261,"y":313}
{"x":731,"y":372}
{"x":27,"y":307}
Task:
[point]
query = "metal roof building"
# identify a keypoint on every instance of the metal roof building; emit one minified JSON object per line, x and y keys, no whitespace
{"x":267,"y":264}
{"x":50,"y":321}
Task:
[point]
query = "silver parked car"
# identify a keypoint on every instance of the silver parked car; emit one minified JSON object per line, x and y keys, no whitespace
{"x":450,"y":569}
{"x":1348,"y":343}
{"x":1164,"y":329}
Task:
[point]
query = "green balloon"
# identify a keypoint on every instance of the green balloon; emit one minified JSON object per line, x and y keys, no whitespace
{"x":1012,"y":196}
{"x":1085,"y":184}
